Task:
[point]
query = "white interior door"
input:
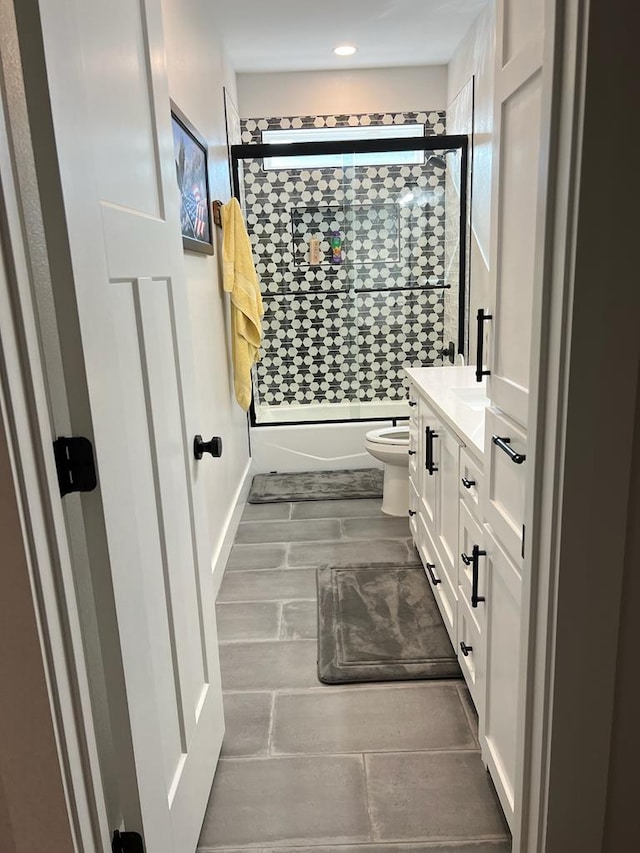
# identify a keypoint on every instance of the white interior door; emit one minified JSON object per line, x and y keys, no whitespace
{"x":515,"y":199}
{"x":111,"y":116}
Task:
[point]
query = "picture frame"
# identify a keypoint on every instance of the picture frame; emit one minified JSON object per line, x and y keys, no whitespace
{"x":192,"y":177}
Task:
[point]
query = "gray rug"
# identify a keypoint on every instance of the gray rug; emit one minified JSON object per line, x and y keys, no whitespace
{"x":317,"y":486}
{"x":380,"y":623}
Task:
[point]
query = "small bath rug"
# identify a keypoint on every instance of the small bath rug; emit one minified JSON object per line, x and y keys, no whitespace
{"x":317,"y":486}
{"x":380,"y":623}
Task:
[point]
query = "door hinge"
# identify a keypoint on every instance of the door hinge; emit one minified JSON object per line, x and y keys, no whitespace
{"x":75,"y":464}
{"x":127,"y":842}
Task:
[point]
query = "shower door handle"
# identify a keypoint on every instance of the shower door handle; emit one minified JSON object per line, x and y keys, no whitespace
{"x":480,"y":319}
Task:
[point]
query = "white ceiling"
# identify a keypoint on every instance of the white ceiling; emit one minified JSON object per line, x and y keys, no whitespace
{"x":298,"y":35}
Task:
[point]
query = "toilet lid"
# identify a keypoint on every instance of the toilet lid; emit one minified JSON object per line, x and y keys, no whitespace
{"x":389,"y":435}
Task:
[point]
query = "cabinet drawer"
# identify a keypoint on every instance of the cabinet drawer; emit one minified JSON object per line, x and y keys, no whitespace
{"x":505,"y":481}
{"x":472,"y":535}
{"x":471,"y":654}
{"x":470,"y":484}
{"x":444,"y":593}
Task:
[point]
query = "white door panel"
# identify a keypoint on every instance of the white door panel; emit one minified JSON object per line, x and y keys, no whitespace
{"x":499,"y":738}
{"x":115,"y":152}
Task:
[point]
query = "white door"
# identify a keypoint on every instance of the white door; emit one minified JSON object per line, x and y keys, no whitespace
{"x":111,"y":115}
{"x":516,"y":199}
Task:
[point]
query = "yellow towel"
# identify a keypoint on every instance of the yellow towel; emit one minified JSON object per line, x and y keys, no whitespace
{"x":240,"y":280}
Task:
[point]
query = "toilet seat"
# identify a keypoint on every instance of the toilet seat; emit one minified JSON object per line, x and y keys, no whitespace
{"x":390,"y":436}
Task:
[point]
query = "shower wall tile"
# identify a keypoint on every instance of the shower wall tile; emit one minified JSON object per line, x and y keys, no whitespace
{"x":342,"y":333}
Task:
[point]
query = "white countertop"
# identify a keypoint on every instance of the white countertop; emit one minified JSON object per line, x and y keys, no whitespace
{"x":457,"y":398}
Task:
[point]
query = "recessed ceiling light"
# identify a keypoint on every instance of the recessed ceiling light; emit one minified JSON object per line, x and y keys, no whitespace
{"x":345,"y":50}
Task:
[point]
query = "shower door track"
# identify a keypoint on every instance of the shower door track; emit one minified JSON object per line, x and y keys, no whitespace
{"x":366,"y":146}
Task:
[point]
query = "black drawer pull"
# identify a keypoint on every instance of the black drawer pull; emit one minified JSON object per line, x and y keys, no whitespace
{"x":504,"y":444}
{"x":412,"y":512}
{"x":428,"y":462}
{"x":412,"y":453}
{"x":434,"y":580}
{"x":412,"y":402}
{"x":476,"y":553}
{"x":481,"y":318}
{"x":468,"y":483}
{"x":465,"y":649}
{"x":466,"y":559}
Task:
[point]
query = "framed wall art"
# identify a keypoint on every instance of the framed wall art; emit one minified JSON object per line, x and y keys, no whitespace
{"x":190,"y":153}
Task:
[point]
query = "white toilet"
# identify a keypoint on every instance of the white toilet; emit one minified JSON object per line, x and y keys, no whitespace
{"x":390,"y":445}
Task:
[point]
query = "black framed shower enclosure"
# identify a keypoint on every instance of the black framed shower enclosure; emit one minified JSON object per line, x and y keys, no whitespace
{"x":436,"y":143}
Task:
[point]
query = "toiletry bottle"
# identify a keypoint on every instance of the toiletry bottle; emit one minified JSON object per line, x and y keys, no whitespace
{"x":314,"y":251}
{"x":336,"y":247}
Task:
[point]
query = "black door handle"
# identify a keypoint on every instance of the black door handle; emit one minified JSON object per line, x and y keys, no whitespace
{"x":428,"y":464}
{"x":503,"y":444}
{"x":200,"y":447}
{"x":434,"y":580}
{"x":475,"y":554}
{"x":481,"y":318}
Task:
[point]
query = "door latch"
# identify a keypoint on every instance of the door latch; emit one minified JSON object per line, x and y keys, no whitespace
{"x":75,"y":464}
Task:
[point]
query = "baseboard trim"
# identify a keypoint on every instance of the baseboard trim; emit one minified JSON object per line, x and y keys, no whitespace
{"x":219,"y":560}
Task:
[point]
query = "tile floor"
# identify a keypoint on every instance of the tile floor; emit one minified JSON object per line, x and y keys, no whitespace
{"x":308,"y":768}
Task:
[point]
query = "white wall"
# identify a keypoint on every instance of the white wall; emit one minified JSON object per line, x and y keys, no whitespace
{"x":475,"y":57}
{"x":343,"y":92}
{"x":197,"y":71}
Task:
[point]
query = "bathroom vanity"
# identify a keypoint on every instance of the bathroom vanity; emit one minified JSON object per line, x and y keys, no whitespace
{"x":466,"y":482}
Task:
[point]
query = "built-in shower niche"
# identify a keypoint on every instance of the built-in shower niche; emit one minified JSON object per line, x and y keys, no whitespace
{"x":370,"y":233}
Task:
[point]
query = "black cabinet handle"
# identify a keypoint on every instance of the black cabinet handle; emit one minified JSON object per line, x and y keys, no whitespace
{"x":480,"y":319}
{"x":428,"y":464}
{"x":465,"y":649}
{"x":476,"y":553}
{"x":200,"y":447}
{"x":434,"y":580}
{"x":412,"y":402}
{"x":412,"y":512}
{"x":504,"y":444}
{"x":468,"y":483}
{"x":466,"y":559}
{"x":412,"y":453}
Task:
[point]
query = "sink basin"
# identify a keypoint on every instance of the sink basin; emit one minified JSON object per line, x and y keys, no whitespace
{"x":475,"y":398}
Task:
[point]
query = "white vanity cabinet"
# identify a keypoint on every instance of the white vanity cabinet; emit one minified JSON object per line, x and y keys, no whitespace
{"x":467,"y":510}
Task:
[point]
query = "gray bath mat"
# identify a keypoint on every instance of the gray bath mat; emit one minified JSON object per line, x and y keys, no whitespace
{"x":316,"y":486}
{"x":380,"y":623}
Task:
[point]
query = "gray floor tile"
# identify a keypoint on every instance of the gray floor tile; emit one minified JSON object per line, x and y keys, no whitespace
{"x":299,"y":620}
{"x":247,"y":718}
{"x":376,"y":528}
{"x":252,"y":532}
{"x":248,"y":620}
{"x":338,"y":509}
{"x":377,"y":719}
{"x":269,"y":665}
{"x":432,"y":795}
{"x":272,"y":584}
{"x":349,"y":553}
{"x":428,"y":847}
{"x":264,"y":512}
{"x":243,"y":557}
{"x":287,"y":801}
